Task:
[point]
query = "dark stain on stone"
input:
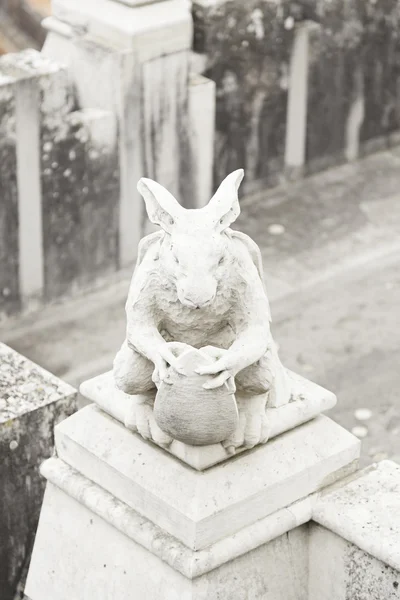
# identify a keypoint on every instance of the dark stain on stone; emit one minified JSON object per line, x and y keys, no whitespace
{"x":333,"y":52}
{"x":355,"y":54}
{"x":248,"y":49}
{"x":367,"y":578}
{"x":22,"y":489}
{"x":381,"y":59}
{"x":80,"y":187}
{"x":9,"y":250}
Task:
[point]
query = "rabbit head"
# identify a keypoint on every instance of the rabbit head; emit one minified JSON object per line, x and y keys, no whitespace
{"x":194,"y":252}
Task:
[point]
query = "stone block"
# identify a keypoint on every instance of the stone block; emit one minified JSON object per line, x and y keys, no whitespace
{"x":339,"y":570}
{"x":202,"y":125}
{"x":89,"y":544}
{"x":365,"y":511}
{"x":201,"y":508}
{"x":32,"y":401}
{"x":151,"y":30}
{"x":311,"y":401}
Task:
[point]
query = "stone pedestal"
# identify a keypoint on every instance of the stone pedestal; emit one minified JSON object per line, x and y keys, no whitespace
{"x":123,"y":518}
{"x":308,"y":401}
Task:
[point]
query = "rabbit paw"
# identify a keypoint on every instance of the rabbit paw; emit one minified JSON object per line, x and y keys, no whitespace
{"x":140,"y":419}
{"x":253,"y":427}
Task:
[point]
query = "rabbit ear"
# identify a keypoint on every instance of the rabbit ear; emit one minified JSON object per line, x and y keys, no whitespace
{"x":161,"y":206}
{"x":224,"y":205}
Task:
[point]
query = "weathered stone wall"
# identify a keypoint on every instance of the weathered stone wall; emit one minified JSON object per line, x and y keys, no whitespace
{"x":353,"y":80}
{"x":32,"y":402}
{"x":133,"y":60}
{"x":248,"y":52}
{"x":80,"y":186}
{"x":59,"y":184}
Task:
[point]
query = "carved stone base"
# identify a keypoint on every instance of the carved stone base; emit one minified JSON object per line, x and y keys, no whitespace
{"x":123,"y":519}
{"x":309,"y":400}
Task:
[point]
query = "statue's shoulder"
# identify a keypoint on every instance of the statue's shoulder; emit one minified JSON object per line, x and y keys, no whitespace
{"x":147,"y":243}
{"x":250,"y":245}
{"x":148,"y":246}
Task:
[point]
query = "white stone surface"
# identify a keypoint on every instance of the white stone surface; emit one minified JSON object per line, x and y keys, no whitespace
{"x":202,"y":508}
{"x":202,"y":130}
{"x":209,"y":3}
{"x":90,"y":545}
{"x":152,"y":30}
{"x":138,"y":2}
{"x":341,"y":571}
{"x":355,"y":118}
{"x":295,"y":146}
{"x":190,"y":563}
{"x":313,"y":399}
{"x":164,"y":102}
{"x":79,"y":556}
{"x":366,"y":512}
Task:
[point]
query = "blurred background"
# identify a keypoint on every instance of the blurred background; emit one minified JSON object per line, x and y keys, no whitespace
{"x":304,"y":95}
{"x":20,"y":24}
{"x":321,"y":200}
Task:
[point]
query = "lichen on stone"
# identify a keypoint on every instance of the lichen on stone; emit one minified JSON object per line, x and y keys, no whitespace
{"x":25,"y":387}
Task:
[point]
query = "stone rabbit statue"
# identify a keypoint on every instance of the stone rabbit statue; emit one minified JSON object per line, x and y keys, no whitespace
{"x":199,"y":283}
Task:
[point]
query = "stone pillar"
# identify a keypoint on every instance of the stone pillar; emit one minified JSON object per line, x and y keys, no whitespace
{"x":125,"y":518}
{"x":32,"y":401}
{"x":33,"y":91}
{"x":132,"y":58}
{"x":202,"y":130}
{"x":58,"y":184}
{"x":296,"y":125}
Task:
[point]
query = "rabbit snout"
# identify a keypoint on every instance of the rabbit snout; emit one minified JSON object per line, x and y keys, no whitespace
{"x":197,"y":298}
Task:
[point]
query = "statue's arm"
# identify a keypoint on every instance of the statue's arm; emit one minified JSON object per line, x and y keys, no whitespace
{"x":250,"y":319}
{"x":143,"y":318}
{"x":142,"y":333}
